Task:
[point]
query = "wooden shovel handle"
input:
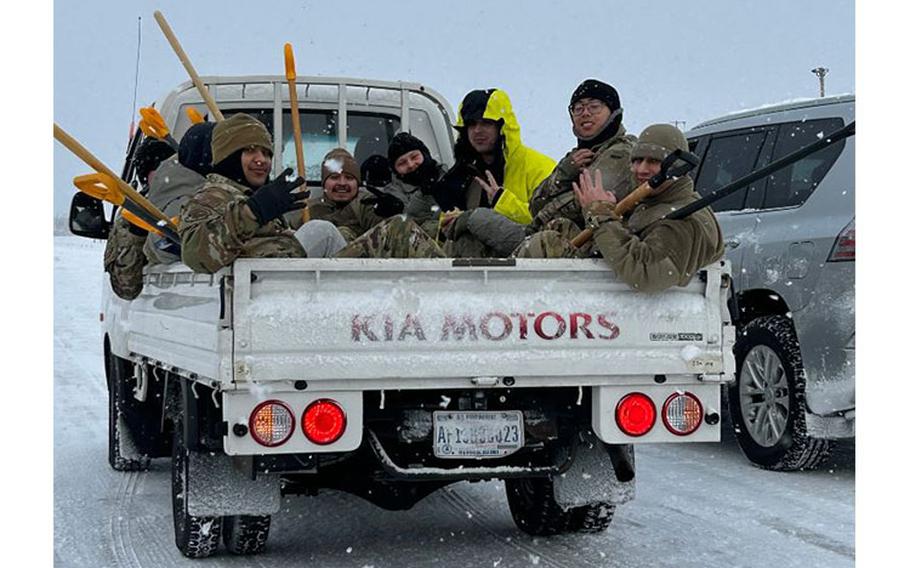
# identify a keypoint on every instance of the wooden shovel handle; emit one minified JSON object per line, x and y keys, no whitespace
{"x":172,"y":39}
{"x":627,"y":204}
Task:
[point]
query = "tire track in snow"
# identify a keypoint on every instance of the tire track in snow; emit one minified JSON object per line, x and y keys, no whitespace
{"x":478,"y":515}
{"x":121,"y":540}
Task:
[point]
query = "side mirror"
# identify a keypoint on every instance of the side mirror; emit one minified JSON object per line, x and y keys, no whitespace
{"x":87,"y":217}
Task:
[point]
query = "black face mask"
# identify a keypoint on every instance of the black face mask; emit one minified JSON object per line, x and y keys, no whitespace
{"x":424,"y":176}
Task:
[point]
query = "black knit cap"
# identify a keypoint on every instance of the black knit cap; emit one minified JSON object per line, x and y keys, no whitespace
{"x":195,"y":150}
{"x":149,"y":155}
{"x":404,"y":142}
{"x":594,"y":89}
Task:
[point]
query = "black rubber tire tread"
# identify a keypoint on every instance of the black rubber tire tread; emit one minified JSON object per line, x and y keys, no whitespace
{"x":796,"y":450}
{"x":592,"y":518}
{"x":533,"y":507}
{"x":195,"y":537}
{"x":118,"y":409}
{"x":245,"y":534}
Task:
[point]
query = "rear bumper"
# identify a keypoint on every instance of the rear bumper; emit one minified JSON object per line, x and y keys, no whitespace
{"x":825,"y":328}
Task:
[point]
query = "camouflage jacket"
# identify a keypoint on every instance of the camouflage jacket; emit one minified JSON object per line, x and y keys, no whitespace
{"x":650,"y":254}
{"x":217,"y":227}
{"x":355,"y":218}
{"x":554,"y":198}
{"x":124,"y":260}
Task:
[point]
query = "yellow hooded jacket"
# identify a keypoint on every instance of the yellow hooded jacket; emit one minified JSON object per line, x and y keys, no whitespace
{"x":525,"y":168}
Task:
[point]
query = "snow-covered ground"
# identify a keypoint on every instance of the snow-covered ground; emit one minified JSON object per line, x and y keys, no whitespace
{"x":697,"y":504}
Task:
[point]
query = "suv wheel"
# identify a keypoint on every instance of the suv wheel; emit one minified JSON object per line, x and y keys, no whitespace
{"x":768,"y":401}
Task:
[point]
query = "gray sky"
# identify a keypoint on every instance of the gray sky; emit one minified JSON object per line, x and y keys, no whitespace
{"x":669,"y":60}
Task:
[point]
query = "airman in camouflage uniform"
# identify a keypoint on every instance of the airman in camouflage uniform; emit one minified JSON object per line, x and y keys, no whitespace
{"x":603,"y":145}
{"x":237,"y":214}
{"x":124,"y":258}
{"x":646,"y":251}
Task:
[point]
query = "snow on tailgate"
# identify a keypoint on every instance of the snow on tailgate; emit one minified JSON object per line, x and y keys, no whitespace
{"x":350,"y":319}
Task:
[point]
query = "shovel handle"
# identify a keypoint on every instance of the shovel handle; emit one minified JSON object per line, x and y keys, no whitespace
{"x":181,"y":55}
{"x":627,"y":204}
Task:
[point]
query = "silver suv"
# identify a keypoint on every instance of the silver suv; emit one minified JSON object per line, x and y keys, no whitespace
{"x":791,"y":240}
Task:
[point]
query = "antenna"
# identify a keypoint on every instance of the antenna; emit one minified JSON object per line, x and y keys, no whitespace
{"x":821,"y":72}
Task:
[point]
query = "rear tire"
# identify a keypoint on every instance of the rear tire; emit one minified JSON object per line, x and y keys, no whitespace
{"x":122,"y":450}
{"x":195,"y":537}
{"x":246,"y":534}
{"x":768,"y":399}
{"x":592,"y":518}
{"x":536,"y":512}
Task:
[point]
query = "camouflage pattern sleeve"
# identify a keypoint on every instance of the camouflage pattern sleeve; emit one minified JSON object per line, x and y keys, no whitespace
{"x":214,"y":225}
{"x":124,"y":260}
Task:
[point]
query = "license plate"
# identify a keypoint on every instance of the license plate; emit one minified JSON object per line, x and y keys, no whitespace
{"x":477,"y":433}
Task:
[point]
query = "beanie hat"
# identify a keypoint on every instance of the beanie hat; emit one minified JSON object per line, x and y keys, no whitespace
{"x":404,"y":142}
{"x":149,"y":155}
{"x":195,"y":150}
{"x":658,"y":141}
{"x":594,"y":89}
{"x":337,"y":161}
{"x":236,"y":133}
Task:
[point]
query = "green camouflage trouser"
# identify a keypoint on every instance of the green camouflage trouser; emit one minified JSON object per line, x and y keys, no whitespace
{"x":555,"y":241}
{"x":396,"y":237}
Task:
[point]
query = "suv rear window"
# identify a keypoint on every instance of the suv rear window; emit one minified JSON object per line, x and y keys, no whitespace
{"x":794,"y":184}
{"x":728,"y":158}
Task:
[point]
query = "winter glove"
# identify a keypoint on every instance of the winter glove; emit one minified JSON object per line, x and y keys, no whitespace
{"x":275,"y":198}
{"x":384,"y":204}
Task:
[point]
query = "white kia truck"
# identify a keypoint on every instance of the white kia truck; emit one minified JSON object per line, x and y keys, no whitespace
{"x":390,"y":379}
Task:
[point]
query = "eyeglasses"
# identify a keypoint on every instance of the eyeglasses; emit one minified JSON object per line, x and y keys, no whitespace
{"x":593,"y":107}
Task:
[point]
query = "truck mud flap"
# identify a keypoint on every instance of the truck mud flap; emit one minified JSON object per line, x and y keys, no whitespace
{"x":599,"y":473}
{"x":459,"y":473}
{"x":217,"y":488}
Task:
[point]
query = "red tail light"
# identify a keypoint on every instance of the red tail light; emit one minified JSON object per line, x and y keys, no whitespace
{"x":324,"y":421}
{"x":845,"y":244}
{"x":271,"y":423}
{"x":635,"y":414}
{"x":682,"y":413}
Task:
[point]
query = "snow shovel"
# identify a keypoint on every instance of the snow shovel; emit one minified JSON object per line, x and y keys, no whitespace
{"x":153,"y":125}
{"x":667,"y":173}
{"x":103,"y":187}
{"x":181,"y":55}
{"x":291,"y":73}
{"x":127,"y":193}
{"x":194,"y":115}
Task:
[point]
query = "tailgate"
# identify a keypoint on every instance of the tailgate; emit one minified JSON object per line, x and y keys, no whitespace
{"x":410,"y":323}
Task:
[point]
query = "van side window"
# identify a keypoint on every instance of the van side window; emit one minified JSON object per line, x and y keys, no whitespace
{"x":727,"y":159}
{"x":794,"y":184}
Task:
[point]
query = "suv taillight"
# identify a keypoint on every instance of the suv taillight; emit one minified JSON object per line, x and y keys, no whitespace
{"x":845,"y":244}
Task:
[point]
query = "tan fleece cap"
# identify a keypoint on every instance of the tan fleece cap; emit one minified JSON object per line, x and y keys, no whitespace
{"x":237,"y":132}
{"x":340,"y":160}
